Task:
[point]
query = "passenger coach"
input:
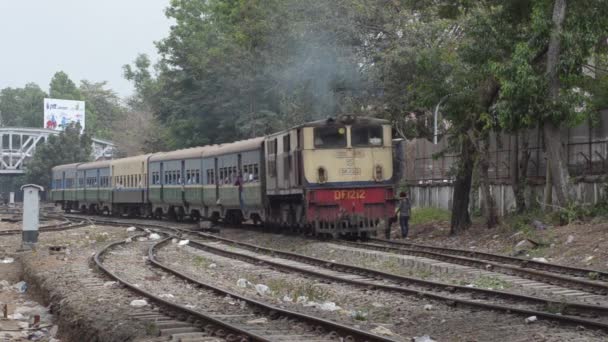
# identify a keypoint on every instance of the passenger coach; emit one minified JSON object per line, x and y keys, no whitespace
{"x":328,"y":177}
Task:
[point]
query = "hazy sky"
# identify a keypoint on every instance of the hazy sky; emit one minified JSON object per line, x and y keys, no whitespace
{"x":85,"y":38}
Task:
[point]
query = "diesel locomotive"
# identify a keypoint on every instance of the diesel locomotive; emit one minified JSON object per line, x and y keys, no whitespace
{"x":328,"y":177}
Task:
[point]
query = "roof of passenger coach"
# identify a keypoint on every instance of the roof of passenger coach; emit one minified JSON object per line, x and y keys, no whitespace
{"x":188,"y":153}
{"x":66,"y":167}
{"x":234,"y":147}
{"x":94,"y":165}
{"x":123,"y":161}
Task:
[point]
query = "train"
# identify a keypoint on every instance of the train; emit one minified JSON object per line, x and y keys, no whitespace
{"x":331,"y":177}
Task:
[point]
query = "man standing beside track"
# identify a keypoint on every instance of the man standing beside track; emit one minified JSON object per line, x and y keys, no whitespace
{"x":404,"y":211}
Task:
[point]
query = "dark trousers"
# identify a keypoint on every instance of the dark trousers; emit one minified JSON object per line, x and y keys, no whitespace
{"x":403,"y":222}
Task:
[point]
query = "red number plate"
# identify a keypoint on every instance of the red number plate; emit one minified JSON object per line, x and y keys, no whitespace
{"x":340,"y":195}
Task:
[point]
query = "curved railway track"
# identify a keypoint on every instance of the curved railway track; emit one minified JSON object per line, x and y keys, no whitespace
{"x":589,"y":316}
{"x":50,"y":228}
{"x":234,"y":327}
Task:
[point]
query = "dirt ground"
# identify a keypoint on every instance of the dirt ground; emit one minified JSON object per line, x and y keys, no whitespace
{"x":580,"y":244}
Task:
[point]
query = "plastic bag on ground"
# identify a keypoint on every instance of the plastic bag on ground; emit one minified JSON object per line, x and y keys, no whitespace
{"x":183,"y":242}
{"x":21,"y":286}
{"x":242,"y":283}
{"x":131,"y":229}
{"x":329,"y":306}
{"x":262,"y":289}
{"x":154,"y":236}
{"x":138,"y":303}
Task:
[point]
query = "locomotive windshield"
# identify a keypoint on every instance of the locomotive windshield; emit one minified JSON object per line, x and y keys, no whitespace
{"x":330,"y":136}
{"x":367,"y":135}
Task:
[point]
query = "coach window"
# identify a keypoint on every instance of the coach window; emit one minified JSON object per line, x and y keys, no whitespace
{"x":366,"y":135}
{"x":330,"y":137}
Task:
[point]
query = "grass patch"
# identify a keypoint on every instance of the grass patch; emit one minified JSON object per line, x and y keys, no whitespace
{"x":201,"y":261}
{"x":428,"y":215}
{"x":101,"y":237}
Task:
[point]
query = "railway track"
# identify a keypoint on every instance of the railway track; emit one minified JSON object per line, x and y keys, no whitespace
{"x":68,"y":224}
{"x":280,"y":324}
{"x":508,"y":260}
{"x":581,"y":279}
{"x":589,"y":316}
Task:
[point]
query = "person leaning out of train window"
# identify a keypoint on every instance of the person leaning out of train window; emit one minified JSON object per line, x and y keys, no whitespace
{"x":404,"y":210}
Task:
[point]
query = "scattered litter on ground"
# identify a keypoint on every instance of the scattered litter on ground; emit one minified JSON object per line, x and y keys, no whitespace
{"x":539,"y":225}
{"x":540,"y":259}
{"x":428,"y":307}
{"x":212,"y":265}
{"x":183,"y":242}
{"x":166,"y":295}
{"x":525,"y":244}
{"x":262,"y":320}
{"x":329,"y":306}
{"x":380,"y":330}
{"x":7,"y":260}
{"x":154,"y":236}
{"x":570,"y":239}
{"x":262,"y":289}
{"x":21,"y":286}
{"x":531,"y":319}
{"x":242,"y":283}
{"x":131,"y":229}
{"x":138,"y":303}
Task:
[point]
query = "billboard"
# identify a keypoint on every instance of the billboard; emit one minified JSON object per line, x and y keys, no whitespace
{"x":58,"y":114}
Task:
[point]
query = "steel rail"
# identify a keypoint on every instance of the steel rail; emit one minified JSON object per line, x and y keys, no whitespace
{"x":544,"y":276}
{"x":343,"y":331}
{"x":521,"y":262}
{"x":449,"y":300}
{"x":173,"y":306}
{"x":51,"y":228}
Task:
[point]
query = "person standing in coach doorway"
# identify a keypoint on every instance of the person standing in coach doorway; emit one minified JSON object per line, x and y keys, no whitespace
{"x":404,"y":211}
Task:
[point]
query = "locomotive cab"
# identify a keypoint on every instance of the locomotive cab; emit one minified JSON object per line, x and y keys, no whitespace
{"x":340,"y":172}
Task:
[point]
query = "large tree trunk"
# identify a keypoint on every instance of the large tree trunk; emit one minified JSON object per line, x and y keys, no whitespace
{"x":461,"y":219}
{"x":556,"y":156}
{"x":519,"y":170}
{"x":490,"y":212}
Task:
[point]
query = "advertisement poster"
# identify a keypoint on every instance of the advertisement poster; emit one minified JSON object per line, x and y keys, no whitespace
{"x":58,"y":114}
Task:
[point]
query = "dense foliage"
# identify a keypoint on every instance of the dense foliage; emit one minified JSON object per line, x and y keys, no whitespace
{"x":68,"y":147}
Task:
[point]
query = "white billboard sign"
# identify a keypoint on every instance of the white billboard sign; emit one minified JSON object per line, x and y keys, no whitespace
{"x":58,"y":114}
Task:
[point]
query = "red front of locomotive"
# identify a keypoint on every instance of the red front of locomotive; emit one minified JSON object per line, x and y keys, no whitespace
{"x":351,"y":210}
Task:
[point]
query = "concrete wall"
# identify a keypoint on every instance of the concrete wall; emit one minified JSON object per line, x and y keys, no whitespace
{"x":440,"y":196}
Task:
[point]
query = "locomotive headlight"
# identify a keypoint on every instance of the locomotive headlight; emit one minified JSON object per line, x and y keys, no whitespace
{"x":322,"y":173}
{"x":378,"y":172}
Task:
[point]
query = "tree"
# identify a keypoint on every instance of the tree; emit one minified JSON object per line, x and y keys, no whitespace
{"x":22,"y":107}
{"x":62,"y":87}
{"x":67,"y":147}
{"x":103,"y":108}
{"x":236,"y":69}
